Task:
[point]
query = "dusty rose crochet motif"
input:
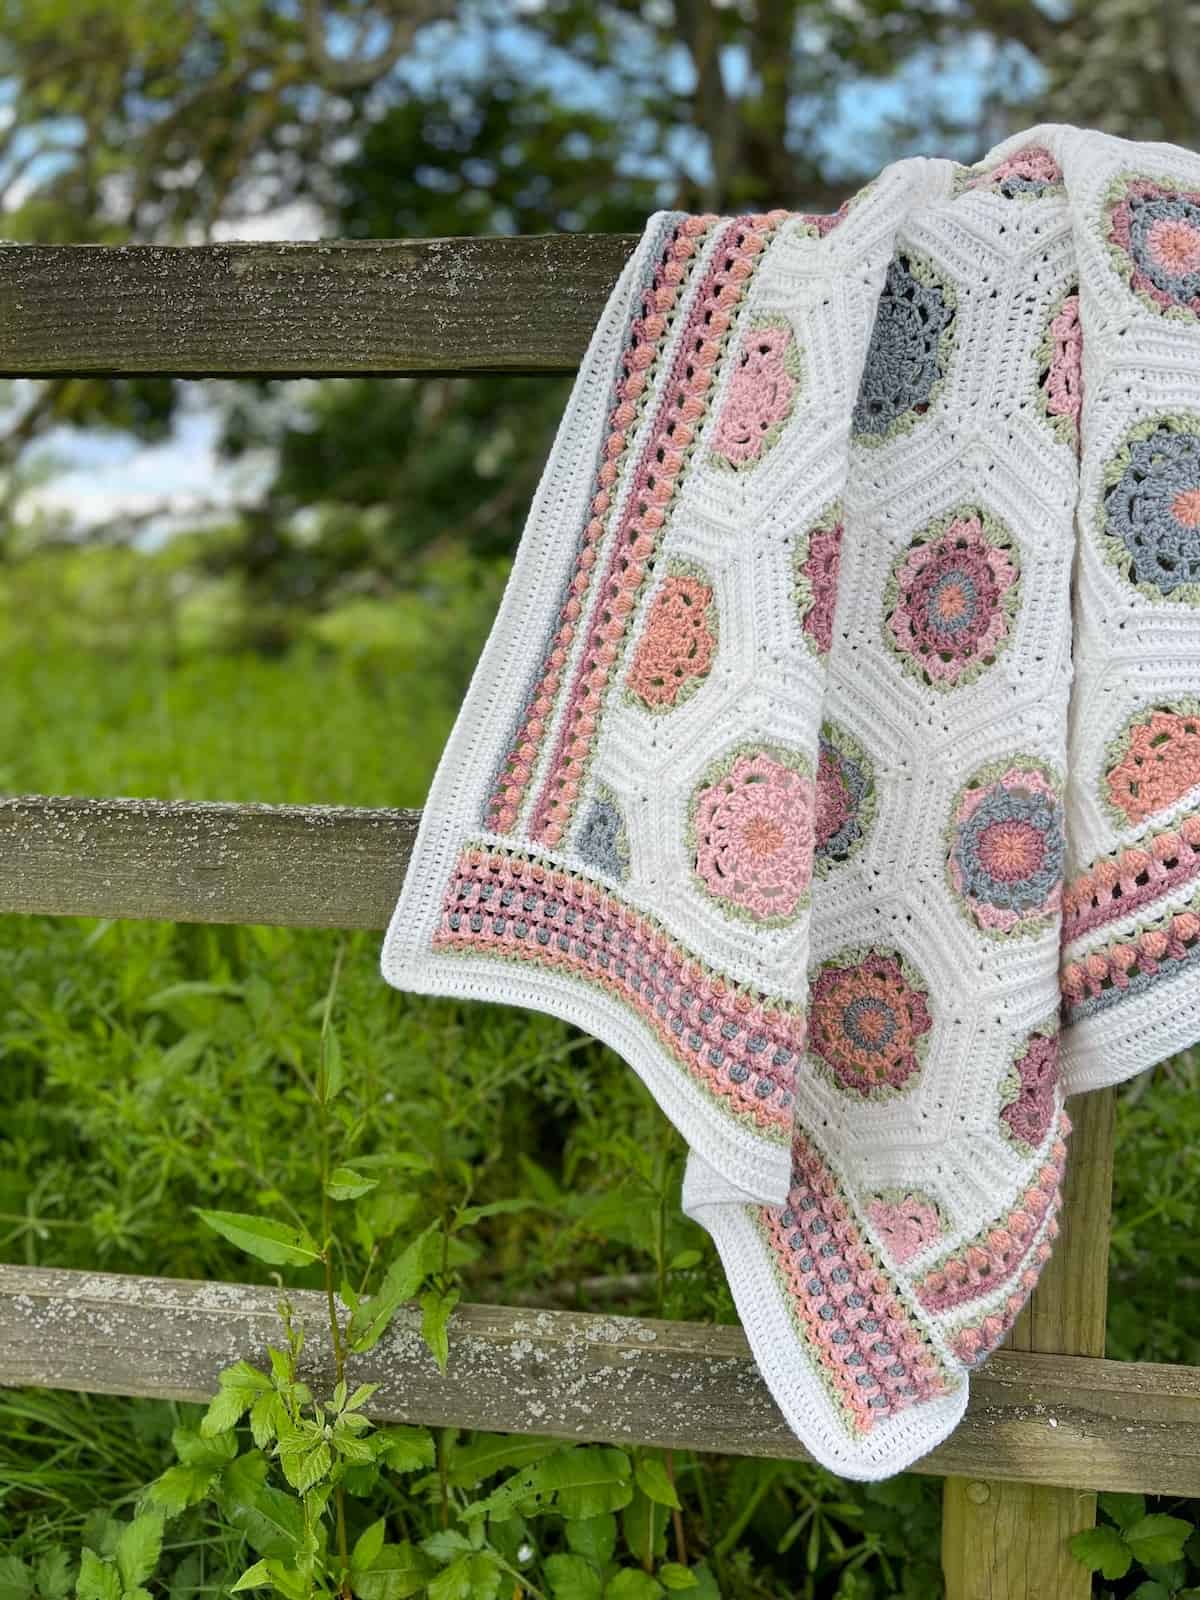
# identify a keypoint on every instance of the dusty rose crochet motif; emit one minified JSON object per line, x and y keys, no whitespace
{"x":752,"y":820}
{"x":949,"y":604}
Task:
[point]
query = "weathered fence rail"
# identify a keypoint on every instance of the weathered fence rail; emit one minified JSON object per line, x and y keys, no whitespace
{"x":1051,"y":1422}
{"x":292,"y":866}
{"x":415,"y":306}
{"x":1045,"y":1419}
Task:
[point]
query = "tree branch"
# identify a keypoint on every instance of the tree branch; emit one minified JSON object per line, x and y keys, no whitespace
{"x":354,"y":71}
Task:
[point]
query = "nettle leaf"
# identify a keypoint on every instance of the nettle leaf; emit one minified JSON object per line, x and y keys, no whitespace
{"x":489,"y":1453}
{"x":1157,"y":1539}
{"x":1123,"y":1509}
{"x":240,"y":1385}
{"x":578,"y":1481}
{"x":178,"y":1488}
{"x":54,"y":1574}
{"x":98,"y":1580}
{"x":16,"y":1580}
{"x":473,"y":1577}
{"x":594,"y":1537}
{"x":276,"y":1243}
{"x":1151,"y":1591}
{"x":304,"y":1469}
{"x":358,"y":1452}
{"x":265,"y":1416}
{"x":436,"y":1306}
{"x":633,"y":1585}
{"x":346,"y":1184}
{"x":139,"y":1548}
{"x":194,"y":1451}
{"x":407,"y":1449}
{"x":400,"y":1284}
{"x":396,"y":1572}
{"x":652,"y":1480}
{"x":446,"y":1544}
{"x":1102,"y":1550}
{"x":573,"y":1578}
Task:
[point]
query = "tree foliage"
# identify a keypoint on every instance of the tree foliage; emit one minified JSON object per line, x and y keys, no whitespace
{"x":133,"y":120}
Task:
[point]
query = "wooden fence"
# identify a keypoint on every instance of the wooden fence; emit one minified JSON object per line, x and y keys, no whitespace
{"x":1050,"y":1422}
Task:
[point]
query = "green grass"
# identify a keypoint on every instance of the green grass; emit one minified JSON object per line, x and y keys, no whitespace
{"x":149,"y":1069}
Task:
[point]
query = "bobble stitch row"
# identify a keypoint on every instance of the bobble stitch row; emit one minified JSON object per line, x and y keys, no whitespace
{"x":875,"y":1360}
{"x":1132,"y":878}
{"x":974,"y":1341}
{"x":648,"y":335}
{"x":1146,"y":955}
{"x":996,"y":1255}
{"x":655,"y":488}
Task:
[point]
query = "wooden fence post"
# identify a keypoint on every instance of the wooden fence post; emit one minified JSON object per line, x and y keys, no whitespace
{"x":1005,"y":1540}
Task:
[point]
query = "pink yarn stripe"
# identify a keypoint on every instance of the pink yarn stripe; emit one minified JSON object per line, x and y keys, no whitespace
{"x":1136,"y":877}
{"x":997,"y":1255}
{"x":681,"y":409}
{"x":741,"y":1048}
{"x":648,"y":333}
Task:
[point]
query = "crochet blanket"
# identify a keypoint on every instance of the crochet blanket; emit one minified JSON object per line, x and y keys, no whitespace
{"x":835,"y":754}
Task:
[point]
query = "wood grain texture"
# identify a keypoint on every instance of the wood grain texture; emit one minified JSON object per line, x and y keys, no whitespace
{"x":1006,"y":1540}
{"x":518,"y":304}
{"x":290,"y":866}
{"x":1098,"y":1424}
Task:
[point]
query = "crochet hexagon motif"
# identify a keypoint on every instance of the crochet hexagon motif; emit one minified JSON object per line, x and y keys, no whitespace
{"x":761,"y":394}
{"x":751,"y":833}
{"x":951,"y":598}
{"x":678,"y":640}
{"x":1007,"y":847}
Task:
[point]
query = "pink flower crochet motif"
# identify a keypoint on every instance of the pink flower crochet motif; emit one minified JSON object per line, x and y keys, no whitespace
{"x":753,"y":827}
{"x":677,"y":646}
{"x":1034,"y":1077}
{"x":905,"y":1226}
{"x":760,"y":395}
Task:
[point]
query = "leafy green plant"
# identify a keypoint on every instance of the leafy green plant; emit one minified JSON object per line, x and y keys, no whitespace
{"x":1129,"y":1542}
{"x":152,"y":1072}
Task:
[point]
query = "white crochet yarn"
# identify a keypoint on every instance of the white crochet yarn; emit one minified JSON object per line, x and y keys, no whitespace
{"x":839,"y":699}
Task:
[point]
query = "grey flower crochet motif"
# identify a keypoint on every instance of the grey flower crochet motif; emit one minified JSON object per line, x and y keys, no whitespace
{"x":1150,"y":509}
{"x":909,"y":350}
{"x":602,"y":840}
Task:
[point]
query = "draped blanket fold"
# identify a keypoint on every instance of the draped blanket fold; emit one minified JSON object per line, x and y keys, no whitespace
{"x":835,"y":754}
